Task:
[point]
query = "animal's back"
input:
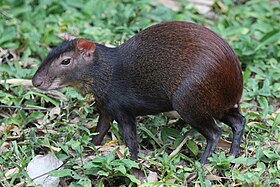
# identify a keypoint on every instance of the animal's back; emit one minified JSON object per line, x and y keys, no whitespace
{"x":180,"y":55}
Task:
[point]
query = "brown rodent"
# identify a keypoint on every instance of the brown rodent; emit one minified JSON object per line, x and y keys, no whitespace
{"x":169,"y":66}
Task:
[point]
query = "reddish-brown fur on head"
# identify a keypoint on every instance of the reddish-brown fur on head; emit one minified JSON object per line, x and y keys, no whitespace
{"x":83,"y":44}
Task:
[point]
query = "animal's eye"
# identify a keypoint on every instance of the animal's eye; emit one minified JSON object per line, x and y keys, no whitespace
{"x":66,"y":62}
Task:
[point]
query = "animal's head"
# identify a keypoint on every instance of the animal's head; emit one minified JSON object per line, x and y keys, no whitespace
{"x":65,"y":65}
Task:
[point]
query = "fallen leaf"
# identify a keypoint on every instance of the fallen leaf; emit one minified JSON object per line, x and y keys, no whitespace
{"x":152,"y":177}
{"x":54,"y":93}
{"x":13,"y":137}
{"x":172,"y":115}
{"x":212,"y":177}
{"x":11,"y":172}
{"x":8,"y":52}
{"x":15,"y":130}
{"x":23,"y":82}
{"x":20,"y":184}
{"x":56,"y":149}
{"x":4,"y":147}
{"x":202,"y":2}
{"x":55,"y":111}
{"x":28,"y":84}
{"x":2,"y":129}
{"x":81,"y":161}
{"x":49,"y":131}
{"x":138,"y":174}
{"x":191,"y":177}
{"x":224,"y":144}
{"x":203,"y":6}
{"x":174,"y":5}
{"x":120,"y":152}
{"x":113,"y":142}
{"x":39,"y":167}
{"x":9,"y":128}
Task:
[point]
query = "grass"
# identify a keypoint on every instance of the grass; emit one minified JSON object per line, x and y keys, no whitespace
{"x":61,"y":121}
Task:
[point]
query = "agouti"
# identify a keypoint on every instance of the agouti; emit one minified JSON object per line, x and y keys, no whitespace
{"x":169,"y":66}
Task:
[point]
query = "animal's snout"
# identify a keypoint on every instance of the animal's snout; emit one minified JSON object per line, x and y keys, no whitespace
{"x":36,"y":81}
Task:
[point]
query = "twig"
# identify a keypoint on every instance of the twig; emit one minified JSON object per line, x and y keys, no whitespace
{"x":191,"y":177}
{"x":178,"y":148}
{"x":52,"y":170}
{"x":23,"y":108}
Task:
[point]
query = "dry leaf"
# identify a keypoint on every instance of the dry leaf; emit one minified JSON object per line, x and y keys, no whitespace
{"x":2,"y":129}
{"x":49,"y":131}
{"x":13,"y":137}
{"x":203,"y":6}
{"x":8,"y":52}
{"x":191,"y":177}
{"x":15,"y":130}
{"x":4,"y":147}
{"x":81,"y":161}
{"x":41,"y":165}
{"x":113,"y":143}
{"x":103,"y":150}
{"x":203,"y":2}
{"x":54,"y":93}
{"x":23,"y":82}
{"x":152,"y":177}
{"x":11,"y":172}
{"x":28,"y":84}
{"x":108,"y":149}
{"x":138,"y":174}
{"x":55,"y":111}
{"x":56,"y":149}
{"x":224,"y":144}
{"x":212,"y":177}
{"x":174,"y":5}
{"x":9,"y":128}
{"x":20,"y":184}
{"x":172,"y":114}
{"x":120,"y":152}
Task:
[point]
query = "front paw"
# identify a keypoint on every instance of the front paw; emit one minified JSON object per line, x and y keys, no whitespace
{"x":96,"y":140}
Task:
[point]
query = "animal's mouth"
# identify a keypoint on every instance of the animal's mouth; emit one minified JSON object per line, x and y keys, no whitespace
{"x":43,"y":86}
{"x":47,"y":84}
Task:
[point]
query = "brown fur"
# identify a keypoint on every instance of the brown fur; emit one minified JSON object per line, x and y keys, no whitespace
{"x":169,"y":66}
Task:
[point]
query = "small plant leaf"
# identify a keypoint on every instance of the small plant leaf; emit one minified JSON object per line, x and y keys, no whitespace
{"x":193,"y":147}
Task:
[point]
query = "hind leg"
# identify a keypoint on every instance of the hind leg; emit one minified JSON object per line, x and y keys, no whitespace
{"x":211,"y":132}
{"x":236,"y":121}
{"x":193,"y":103}
{"x":206,"y":126}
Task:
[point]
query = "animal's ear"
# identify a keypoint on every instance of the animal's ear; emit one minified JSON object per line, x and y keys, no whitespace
{"x":84,"y":45}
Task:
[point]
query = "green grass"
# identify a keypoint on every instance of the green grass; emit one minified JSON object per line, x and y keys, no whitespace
{"x":28,"y":30}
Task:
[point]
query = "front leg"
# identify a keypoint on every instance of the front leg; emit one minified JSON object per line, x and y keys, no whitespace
{"x":127,"y":126}
{"x":103,"y":126}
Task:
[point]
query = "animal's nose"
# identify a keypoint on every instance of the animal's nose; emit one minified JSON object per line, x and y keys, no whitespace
{"x":36,"y":81}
